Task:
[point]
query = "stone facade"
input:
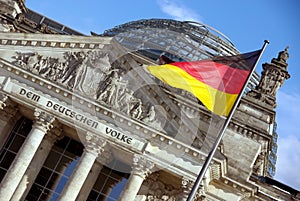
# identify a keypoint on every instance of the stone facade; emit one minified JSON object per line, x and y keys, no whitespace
{"x":87,"y":105}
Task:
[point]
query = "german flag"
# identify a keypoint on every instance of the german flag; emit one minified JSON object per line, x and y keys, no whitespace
{"x":216,"y":82}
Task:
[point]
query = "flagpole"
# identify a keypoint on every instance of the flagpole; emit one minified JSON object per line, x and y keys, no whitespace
{"x":222,"y":132}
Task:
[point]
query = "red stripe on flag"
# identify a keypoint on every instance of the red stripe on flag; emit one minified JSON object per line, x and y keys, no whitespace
{"x":216,"y":75}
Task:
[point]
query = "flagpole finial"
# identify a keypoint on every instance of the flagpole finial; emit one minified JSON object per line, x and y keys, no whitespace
{"x":267,"y":41}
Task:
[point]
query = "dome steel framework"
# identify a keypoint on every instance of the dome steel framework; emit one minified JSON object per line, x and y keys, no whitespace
{"x":185,"y":40}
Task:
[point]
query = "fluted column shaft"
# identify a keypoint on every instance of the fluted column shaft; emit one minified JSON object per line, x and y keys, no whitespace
{"x":92,"y":149}
{"x":140,"y":170}
{"x":77,"y":179}
{"x":25,"y":155}
{"x":104,"y":158}
{"x":90,"y":181}
{"x":36,"y":164}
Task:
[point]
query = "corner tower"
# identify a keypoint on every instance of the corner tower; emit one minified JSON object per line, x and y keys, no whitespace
{"x":272,"y":78}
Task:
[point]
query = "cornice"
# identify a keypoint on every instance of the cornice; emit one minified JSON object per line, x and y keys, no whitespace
{"x":52,"y":41}
{"x":246,"y":191}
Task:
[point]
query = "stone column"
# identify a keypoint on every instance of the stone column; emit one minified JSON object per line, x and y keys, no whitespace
{"x":8,"y":111}
{"x":104,"y":158}
{"x":140,"y":170}
{"x":43,"y":122}
{"x":93,"y":147}
{"x":37,"y":163}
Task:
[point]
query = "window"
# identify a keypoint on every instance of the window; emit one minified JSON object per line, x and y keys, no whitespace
{"x":56,"y":170}
{"x":109,"y":184}
{"x":13,"y":144}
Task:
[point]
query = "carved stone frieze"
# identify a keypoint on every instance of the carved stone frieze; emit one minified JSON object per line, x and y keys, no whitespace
{"x":120,"y":97}
{"x":91,"y":75}
{"x":62,"y":72}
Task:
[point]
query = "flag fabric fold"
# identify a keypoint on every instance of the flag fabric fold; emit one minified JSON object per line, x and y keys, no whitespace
{"x":216,"y":82}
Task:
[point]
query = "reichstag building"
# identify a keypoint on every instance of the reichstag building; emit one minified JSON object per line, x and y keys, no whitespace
{"x":82,"y":119}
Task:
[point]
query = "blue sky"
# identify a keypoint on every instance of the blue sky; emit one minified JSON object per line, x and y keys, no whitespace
{"x":246,"y":23}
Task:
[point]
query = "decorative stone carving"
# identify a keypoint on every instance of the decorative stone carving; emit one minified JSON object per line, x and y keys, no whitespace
{"x":55,"y":133}
{"x":8,"y":108}
{"x":215,"y":171}
{"x":259,"y":164}
{"x":4,"y":27}
{"x":159,"y":191}
{"x":186,"y":186}
{"x":43,"y":120}
{"x":141,"y":166}
{"x":283,"y":56}
{"x":63,"y":72}
{"x":21,"y":19}
{"x":3,"y":98}
{"x":200,"y":195}
{"x":98,"y":146}
{"x":93,"y":73}
{"x":273,"y":76}
{"x":115,"y":92}
{"x":94,"y":144}
{"x":117,"y":95}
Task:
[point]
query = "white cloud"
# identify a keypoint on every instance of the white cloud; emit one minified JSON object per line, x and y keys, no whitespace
{"x":178,"y":11}
{"x":288,"y":161}
{"x":288,"y":156}
{"x":287,"y":113}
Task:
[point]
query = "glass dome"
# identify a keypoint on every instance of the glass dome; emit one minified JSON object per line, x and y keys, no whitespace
{"x":180,"y":40}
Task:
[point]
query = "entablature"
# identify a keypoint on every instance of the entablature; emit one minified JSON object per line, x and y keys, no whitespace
{"x":30,"y":94}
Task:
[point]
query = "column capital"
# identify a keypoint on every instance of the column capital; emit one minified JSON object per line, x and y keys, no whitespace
{"x":8,"y":108}
{"x":55,"y":133}
{"x":43,"y":120}
{"x":186,"y":182}
{"x":186,"y":186}
{"x":141,"y":166}
{"x":94,"y":144}
{"x":3,"y":99}
{"x":105,"y":156}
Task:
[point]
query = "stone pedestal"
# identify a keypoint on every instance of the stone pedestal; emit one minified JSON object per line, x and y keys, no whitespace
{"x":25,"y":155}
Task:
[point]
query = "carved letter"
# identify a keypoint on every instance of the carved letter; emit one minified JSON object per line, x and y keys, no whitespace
{"x":22,"y":92}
